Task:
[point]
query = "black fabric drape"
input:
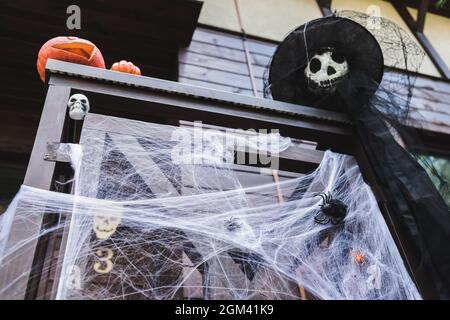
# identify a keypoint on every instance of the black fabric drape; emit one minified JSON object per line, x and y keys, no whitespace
{"x":411,"y":195}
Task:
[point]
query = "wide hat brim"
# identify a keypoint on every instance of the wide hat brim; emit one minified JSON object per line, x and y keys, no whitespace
{"x":287,"y":81}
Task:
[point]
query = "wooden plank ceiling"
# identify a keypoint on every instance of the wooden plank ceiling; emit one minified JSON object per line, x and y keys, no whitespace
{"x":147,"y":32}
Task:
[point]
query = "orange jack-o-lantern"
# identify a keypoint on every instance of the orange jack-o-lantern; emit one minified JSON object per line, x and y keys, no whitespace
{"x":70,"y":49}
{"x":127,"y":67}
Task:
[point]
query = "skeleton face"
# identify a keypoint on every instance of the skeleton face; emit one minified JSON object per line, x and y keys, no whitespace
{"x":105,"y":226}
{"x":78,"y":106}
{"x":325,"y":70}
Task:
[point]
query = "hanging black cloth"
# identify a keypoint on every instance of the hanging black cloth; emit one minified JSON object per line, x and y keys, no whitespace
{"x":335,"y":63}
{"x":409,"y":191}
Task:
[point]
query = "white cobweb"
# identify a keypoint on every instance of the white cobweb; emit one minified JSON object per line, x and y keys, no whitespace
{"x":143,"y":226}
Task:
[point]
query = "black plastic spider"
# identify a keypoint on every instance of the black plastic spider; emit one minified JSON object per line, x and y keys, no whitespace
{"x":233,"y":224}
{"x":331,"y":210}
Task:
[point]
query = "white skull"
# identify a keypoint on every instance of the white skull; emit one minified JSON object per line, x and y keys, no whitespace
{"x":325,"y":70}
{"x":78,"y":105}
{"x":105,"y":225}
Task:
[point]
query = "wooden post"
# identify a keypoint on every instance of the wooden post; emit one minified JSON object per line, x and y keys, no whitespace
{"x":15,"y":269}
{"x":281,"y":200}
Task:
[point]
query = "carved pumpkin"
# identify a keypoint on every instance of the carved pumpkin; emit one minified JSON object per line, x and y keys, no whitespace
{"x":127,"y":67}
{"x":70,"y":49}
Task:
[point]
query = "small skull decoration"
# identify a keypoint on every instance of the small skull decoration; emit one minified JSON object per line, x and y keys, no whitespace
{"x":78,"y":106}
{"x":105,"y":225}
{"x":325,"y":70}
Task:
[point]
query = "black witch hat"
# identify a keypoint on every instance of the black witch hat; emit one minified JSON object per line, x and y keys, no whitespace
{"x":335,"y":63}
{"x":317,"y":57}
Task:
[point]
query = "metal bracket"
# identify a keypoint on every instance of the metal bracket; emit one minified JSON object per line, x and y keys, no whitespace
{"x":53,"y":152}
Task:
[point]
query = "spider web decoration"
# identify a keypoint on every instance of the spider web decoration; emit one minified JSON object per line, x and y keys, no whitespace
{"x":379,"y":102}
{"x":143,"y":226}
{"x":400,"y":51}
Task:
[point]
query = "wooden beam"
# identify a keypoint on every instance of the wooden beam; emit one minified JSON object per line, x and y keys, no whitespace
{"x":176,"y":89}
{"x":325,"y":7}
{"x":433,"y":8}
{"x":439,"y":63}
{"x":421,"y":15}
{"x":434,"y":55}
{"x":144,"y":105}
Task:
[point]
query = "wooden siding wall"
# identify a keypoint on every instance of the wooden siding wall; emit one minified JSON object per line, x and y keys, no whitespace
{"x":217,"y":60}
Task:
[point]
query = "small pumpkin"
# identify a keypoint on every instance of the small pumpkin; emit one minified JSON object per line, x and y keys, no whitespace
{"x":70,"y":49}
{"x":127,"y":67}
